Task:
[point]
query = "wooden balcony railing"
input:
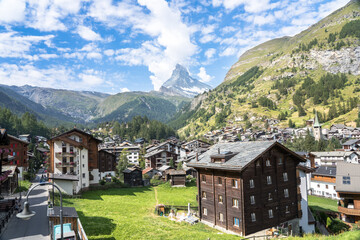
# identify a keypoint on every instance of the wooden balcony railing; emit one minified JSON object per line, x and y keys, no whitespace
{"x":67,"y":164}
{"x":65,"y":154}
{"x":349,"y":211}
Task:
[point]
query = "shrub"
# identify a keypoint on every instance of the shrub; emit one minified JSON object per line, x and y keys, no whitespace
{"x":156,"y":180}
{"x":114,"y":179}
{"x":102,"y":182}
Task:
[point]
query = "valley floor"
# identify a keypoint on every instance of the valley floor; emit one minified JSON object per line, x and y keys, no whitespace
{"x":128,"y":213}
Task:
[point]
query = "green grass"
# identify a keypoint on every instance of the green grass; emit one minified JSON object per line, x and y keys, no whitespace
{"x":354,"y":235}
{"x":128,"y":213}
{"x":24,"y":186}
{"x":322,"y":204}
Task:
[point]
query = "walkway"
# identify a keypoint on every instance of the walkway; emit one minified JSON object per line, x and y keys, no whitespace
{"x":37,"y":228}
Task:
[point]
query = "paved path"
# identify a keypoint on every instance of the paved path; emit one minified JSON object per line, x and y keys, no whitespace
{"x":37,"y":228}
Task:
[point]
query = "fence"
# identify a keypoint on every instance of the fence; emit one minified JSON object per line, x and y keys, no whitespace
{"x":6,"y":218}
{"x":81,"y":232}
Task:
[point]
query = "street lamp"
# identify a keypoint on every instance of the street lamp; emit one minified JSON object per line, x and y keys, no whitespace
{"x":26,"y":214}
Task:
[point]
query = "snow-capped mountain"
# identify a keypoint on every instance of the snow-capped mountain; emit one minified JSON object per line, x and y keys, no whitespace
{"x":182,"y":84}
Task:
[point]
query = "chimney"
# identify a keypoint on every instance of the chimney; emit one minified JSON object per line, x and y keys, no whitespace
{"x":197,"y":157}
{"x":218,"y":150}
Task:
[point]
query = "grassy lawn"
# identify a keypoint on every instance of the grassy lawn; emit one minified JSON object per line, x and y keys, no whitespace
{"x":128,"y":213}
{"x":354,"y":235}
{"x":24,"y":186}
{"x":322,"y":204}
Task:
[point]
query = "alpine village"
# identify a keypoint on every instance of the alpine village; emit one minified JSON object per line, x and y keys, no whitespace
{"x":272,"y":152}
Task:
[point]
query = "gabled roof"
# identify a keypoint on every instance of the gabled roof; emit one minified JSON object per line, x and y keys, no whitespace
{"x":325,"y":171}
{"x":163,"y":168}
{"x":17,"y":139}
{"x":132,"y":169}
{"x":78,"y":131}
{"x":246,"y":152}
{"x":333,"y":154}
{"x":351,"y":142}
{"x":146,"y":170}
{"x":177,"y":172}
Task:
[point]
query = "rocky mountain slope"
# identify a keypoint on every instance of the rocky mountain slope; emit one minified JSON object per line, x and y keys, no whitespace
{"x":182,"y":84}
{"x":288,"y":79}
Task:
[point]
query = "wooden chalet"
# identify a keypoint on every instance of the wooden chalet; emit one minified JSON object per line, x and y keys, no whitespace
{"x":133,"y":176}
{"x":177,"y":178}
{"x":348,"y":189}
{"x":107,"y":163}
{"x":246,"y":187}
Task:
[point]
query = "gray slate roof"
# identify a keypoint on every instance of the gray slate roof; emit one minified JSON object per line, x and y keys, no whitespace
{"x":245,"y":153}
{"x":348,"y":169}
{"x":325,"y":171}
{"x":351,"y":142}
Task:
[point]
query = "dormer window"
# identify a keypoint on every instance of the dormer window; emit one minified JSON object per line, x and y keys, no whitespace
{"x":222,"y":157}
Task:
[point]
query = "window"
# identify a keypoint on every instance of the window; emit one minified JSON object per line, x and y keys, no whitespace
{"x":205,"y":211}
{"x":221,"y":217}
{"x":220,"y":180}
{"x":286,"y":193}
{"x":203,"y":195}
{"x":268,"y":179}
{"x":253,"y":217}
{"x":287,"y":210}
{"x":220,"y":198}
{"x":83,"y":175}
{"x":252,"y":200}
{"x":203,"y":178}
{"x":334,"y":187}
{"x":236,"y":222}
{"x":285,"y":177}
{"x":280,"y":161}
{"x":252,"y":185}
{"x":234,"y":183}
{"x":346,"y":180}
{"x":268,"y":163}
{"x":235,"y":202}
{"x":270,"y":197}
{"x":258,"y":163}
{"x":327,"y":186}
{"x":318,"y":185}
{"x":271,"y":215}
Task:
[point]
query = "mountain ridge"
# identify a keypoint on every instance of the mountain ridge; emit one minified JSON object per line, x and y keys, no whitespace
{"x":269,"y":81}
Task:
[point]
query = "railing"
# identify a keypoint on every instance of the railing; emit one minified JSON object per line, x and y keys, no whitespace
{"x":65,"y":154}
{"x":349,"y":211}
{"x":81,"y":232}
{"x":6,"y":218}
{"x":66,"y":164}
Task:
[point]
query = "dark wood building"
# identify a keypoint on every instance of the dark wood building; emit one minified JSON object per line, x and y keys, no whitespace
{"x":107,"y":161}
{"x":177,"y":177}
{"x":348,"y":189}
{"x":246,"y":187}
{"x":133,"y":176}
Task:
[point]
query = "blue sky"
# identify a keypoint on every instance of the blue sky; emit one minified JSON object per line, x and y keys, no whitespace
{"x":115,"y":46}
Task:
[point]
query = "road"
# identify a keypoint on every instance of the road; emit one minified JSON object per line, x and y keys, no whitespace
{"x":37,"y":228}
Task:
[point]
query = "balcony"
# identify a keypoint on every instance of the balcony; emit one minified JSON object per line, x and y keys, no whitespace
{"x":349,"y":211}
{"x":65,"y":154}
{"x":65,"y":164}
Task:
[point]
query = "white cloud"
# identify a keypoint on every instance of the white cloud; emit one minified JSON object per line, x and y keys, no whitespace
{"x":46,"y":15}
{"x":210,"y":53}
{"x":14,"y":45}
{"x":204,"y":77}
{"x":53,"y":77}
{"x":88,"y":34}
{"x":249,"y":6}
{"x":12,"y":11}
{"x":91,"y":80}
{"x":94,"y":55}
{"x":124,"y":90}
{"x":171,"y":42}
{"x":109,"y":52}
